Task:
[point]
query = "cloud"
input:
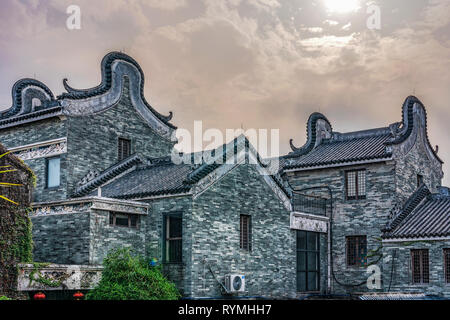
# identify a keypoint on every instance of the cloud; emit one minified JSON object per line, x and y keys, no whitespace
{"x":260,"y":64}
{"x":166,"y":4}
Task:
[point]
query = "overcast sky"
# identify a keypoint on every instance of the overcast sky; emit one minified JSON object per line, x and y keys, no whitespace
{"x":255,"y":63}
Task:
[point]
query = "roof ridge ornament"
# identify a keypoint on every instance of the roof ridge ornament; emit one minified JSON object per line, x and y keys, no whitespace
{"x":116,"y":69}
{"x":24,"y":93}
{"x":318,"y":128}
{"x":413,"y":112}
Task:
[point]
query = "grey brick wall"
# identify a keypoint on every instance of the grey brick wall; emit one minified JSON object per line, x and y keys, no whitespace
{"x":270,"y":267}
{"x":104,"y":237}
{"x":93,"y":140}
{"x":61,"y":238}
{"x":159,"y":208}
{"x":92,"y":144}
{"x":353,"y":217}
{"x":401,"y":275}
{"x":44,"y":130}
{"x":408,"y":167}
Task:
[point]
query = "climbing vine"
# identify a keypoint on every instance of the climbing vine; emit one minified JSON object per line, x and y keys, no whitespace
{"x":377,"y":253}
{"x":15,"y":225}
{"x":37,"y":266}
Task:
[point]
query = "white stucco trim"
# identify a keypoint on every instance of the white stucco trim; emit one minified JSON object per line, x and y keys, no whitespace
{"x":38,"y":144}
{"x":89,"y":199}
{"x":416,"y":239}
{"x":339,"y":165}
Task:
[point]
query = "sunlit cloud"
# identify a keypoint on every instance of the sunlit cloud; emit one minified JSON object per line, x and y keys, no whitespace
{"x":259,"y":63}
{"x":342,"y":6}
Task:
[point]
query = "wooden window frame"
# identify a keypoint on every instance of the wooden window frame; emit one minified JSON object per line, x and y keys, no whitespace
{"x":167,"y":239}
{"x":446,"y":253}
{"x":422,"y":279}
{"x":112,"y":220}
{"x":357,"y":196}
{"x":245,"y":234}
{"x":353,"y":261}
{"x":120,"y":152}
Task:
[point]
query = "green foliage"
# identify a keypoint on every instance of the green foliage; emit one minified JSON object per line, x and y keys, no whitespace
{"x":128,"y":277}
{"x":37,"y":266}
{"x":4,"y":298}
{"x":16,"y":243}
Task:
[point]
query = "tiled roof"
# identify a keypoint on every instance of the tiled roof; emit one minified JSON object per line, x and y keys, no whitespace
{"x":23,"y":109}
{"x":159,"y":179}
{"x":163,"y":177}
{"x":107,"y":175}
{"x":325,"y":148}
{"x":31,"y":116}
{"x":423,"y":215}
{"x":105,"y":85}
{"x":344,"y":148}
{"x":399,"y":296}
{"x":26,"y":91}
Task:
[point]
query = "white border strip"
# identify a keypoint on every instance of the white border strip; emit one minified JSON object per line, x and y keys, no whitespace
{"x":416,"y":239}
{"x":38,"y":144}
{"x":338,"y":165}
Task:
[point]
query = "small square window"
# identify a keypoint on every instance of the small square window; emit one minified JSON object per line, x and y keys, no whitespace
{"x":124,"y":148}
{"x":173,"y":238}
{"x":420,"y":266}
{"x":53,"y":178}
{"x":245,"y":232}
{"x":133,"y":221}
{"x":355,"y":184}
{"x":123,"y":220}
{"x":447,"y":265}
{"x":419,"y":180}
{"x":356,"y":250}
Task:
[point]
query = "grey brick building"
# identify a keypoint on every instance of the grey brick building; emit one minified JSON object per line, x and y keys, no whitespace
{"x":107,"y":178}
{"x":366,"y":177}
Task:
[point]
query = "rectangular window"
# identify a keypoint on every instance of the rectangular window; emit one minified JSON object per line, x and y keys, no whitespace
{"x":53,"y":172}
{"x":245,"y":233}
{"x":308,"y":255}
{"x":123,"y":220}
{"x":355,"y":182}
{"x":124,"y":149}
{"x":173,"y":235}
{"x":419,"y":180}
{"x":447,"y":265}
{"x":356,"y":248}
{"x":419,"y":266}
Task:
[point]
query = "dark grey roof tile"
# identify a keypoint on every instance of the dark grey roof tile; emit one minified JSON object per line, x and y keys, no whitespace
{"x":422,"y":217}
{"x":342,"y":150}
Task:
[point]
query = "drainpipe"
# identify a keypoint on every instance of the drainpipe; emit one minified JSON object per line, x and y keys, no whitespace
{"x":329,"y":259}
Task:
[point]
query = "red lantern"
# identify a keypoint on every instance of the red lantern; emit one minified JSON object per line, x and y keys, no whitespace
{"x":39,"y":296}
{"x":78,"y":295}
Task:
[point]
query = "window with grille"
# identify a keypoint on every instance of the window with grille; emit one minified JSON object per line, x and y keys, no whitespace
{"x":308,"y":258}
{"x":245,"y":233}
{"x":447,"y":265}
{"x":124,"y":149}
{"x":355,"y":182}
{"x":173,"y":237}
{"x":420,"y":266}
{"x":356,"y":251}
{"x":123,"y":220}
